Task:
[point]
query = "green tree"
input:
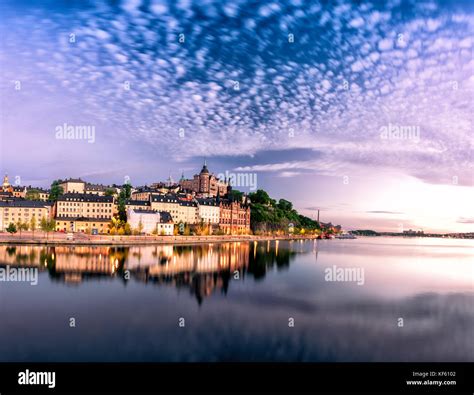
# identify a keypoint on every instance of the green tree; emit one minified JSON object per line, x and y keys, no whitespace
{"x":21,"y":226}
{"x":33,"y":225}
{"x":124,"y":195}
{"x":32,"y":194}
{"x":11,"y":228}
{"x":260,"y":197}
{"x":285,"y":205}
{"x":47,"y":225}
{"x":56,"y":190}
{"x":236,"y":195}
{"x":110,"y":192}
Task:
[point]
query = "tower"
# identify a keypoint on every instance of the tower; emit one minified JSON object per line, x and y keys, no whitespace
{"x":6,"y":184}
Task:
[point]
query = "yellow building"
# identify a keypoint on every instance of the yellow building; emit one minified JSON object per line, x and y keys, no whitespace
{"x":169,"y":203}
{"x":187,"y":212}
{"x":24,"y":211}
{"x":73,"y":185}
{"x":83,"y":205}
{"x":82,"y":224}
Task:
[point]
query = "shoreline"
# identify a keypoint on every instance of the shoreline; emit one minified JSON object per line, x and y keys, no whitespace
{"x":140,"y":240}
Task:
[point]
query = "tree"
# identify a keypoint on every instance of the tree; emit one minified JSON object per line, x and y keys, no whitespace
{"x":33,"y":225}
{"x":260,"y":196}
{"x":236,"y":195}
{"x":124,"y":195}
{"x":140,"y":227}
{"x":21,"y":226}
{"x":32,"y":194}
{"x":47,"y":225}
{"x":285,"y":205}
{"x":110,"y":192}
{"x":11,"y":228}
{"x":56,"y":190}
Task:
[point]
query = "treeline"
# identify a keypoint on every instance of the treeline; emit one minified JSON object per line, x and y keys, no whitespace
{"x":366,"y":232}
{"x":268,"y":215}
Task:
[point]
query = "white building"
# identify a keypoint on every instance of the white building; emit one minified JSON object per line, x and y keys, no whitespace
{"x":151,"y":221}
{"x":208,"y":211}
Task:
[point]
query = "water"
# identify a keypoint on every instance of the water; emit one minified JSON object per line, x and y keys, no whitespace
{"x":238,"y":301}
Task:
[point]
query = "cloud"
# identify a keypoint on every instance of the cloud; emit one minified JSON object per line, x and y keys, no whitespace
{"x":188,"y":79}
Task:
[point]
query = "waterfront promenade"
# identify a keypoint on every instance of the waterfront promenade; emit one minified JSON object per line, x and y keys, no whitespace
{"x":59,"y":238}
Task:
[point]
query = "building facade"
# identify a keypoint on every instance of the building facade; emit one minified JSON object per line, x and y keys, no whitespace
{"x":82,"y":225}
{"x":75,"y":205}
{"x":234,"y":217}
{"x":205,"y":184}
{"x":25,"y":212}
{"x":73,"y":185}
{"x":151,"y":221}
{"x":208,"y":211}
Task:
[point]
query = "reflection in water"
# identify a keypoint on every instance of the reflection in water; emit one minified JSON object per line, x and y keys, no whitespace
{"x":127,"y":301}
{"x":202,"y":269}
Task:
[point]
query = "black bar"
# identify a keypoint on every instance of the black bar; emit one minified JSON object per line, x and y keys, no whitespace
{"x":242,"y":377}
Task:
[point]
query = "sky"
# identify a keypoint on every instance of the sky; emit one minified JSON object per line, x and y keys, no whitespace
{"x":363,"y":111}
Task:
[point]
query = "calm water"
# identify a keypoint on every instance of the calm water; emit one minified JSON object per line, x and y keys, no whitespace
{"x":238,"y":301}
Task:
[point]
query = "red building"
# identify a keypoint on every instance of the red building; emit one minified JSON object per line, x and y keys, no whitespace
{"x":234,"y":216}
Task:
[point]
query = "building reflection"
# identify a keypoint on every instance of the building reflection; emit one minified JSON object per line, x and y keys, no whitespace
{"x":202,"y":269}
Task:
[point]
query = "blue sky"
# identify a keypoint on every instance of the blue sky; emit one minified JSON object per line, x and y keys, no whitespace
{"x":296,"y":92}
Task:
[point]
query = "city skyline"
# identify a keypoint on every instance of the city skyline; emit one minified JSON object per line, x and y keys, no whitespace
{"x":361,"y":111}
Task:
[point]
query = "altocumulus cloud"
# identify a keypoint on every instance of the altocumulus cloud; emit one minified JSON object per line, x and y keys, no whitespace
{"x":253,"y":76}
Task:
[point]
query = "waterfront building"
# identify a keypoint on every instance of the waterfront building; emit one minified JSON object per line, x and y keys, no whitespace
{"x":151,"y":221}
{"x":205,"y":184}
{"x":75,"y":205}
{"x":82,"y":224}
{"x":187,"y":212}
{"x":208,"y":211}
{"x":234,"y":216}
{"x":166,"y":224}
{"x":23,"y":211}
{"x":169,"y":203}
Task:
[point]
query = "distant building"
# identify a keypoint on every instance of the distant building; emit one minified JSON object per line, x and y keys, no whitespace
{"x":137,"y":204}
{"x":205,"y":184}
{"x":410,"y":232}
{"x":34,"y":193}
{"x":6,"y":196}
{"x":16,"y":190}
{"x":6,"y":187}
{"x":76,"y":185}
{"x":73,"y":185}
